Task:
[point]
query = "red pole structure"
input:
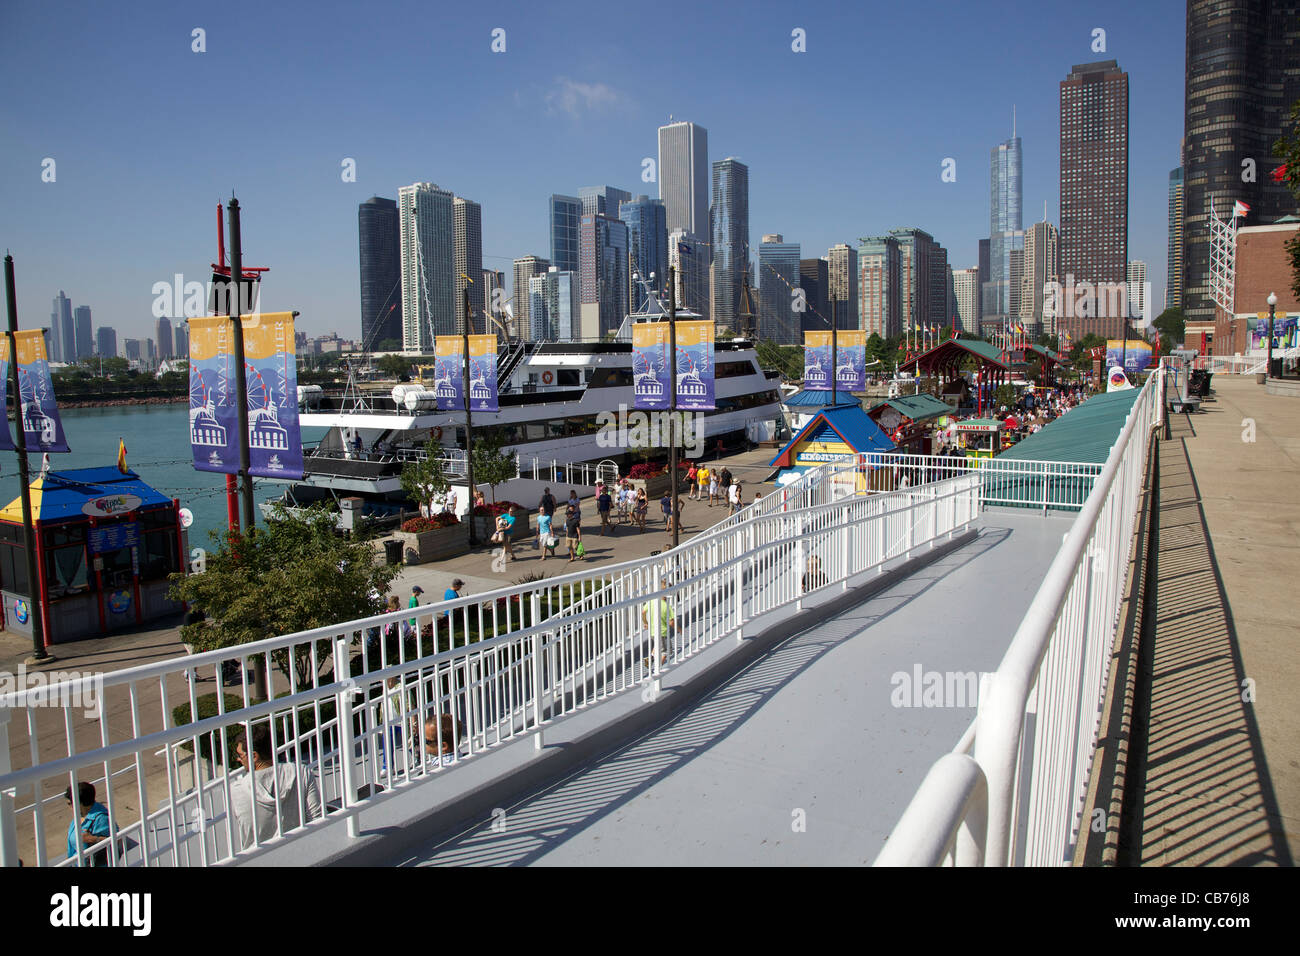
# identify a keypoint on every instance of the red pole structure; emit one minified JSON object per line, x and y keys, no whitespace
{"x":232,"y":503}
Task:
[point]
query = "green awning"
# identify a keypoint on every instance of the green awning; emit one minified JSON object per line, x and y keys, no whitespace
{"x":1086,"y":433}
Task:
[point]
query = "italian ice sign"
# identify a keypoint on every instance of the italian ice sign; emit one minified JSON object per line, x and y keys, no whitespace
{"x":39,"y":413}
{"x":270,"y":372}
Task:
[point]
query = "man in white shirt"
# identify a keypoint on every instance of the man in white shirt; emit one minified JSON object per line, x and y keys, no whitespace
{"x":253,"y":793}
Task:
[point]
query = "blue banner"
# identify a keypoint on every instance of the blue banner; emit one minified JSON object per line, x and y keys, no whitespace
{"x":449,"y":373}
{"x":214,"y":427}
{"x":817,"y":361}
{"x":483,"y":373}
{"x":39,"y":413}
{"x":651,"y":368}
{"x":1136,"y":354}
{"x":695,"y":381}
{"x":851,"y":360}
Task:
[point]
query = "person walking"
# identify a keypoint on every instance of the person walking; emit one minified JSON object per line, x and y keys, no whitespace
{"x":734,"y":494}
{"x":414,"y":602}
{"x":692,"y":476}
{"x":603,"y":503}
{"x":572,"y":530}
{"x":91,"y":818}
{"x":573,"y":501}
{"x":713,"y":489}
{"x":639,"y":509}
{"x":544,"y":535}
{"x":545,"y":507}
{"x":666,"y":506}
{"x":702,"y":476}
{"x":660,"y":622}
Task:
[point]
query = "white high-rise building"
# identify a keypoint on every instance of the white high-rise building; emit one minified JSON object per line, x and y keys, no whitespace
{"x":1137,"y":286}
{"x":525,"y":269}
{"x":469,"y":261}
{"x":684,"y":176}
{"x":428,"y":233}
{"x":966,"y":288}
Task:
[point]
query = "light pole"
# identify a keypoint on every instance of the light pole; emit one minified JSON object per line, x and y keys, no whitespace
{"x":1272,"y":308}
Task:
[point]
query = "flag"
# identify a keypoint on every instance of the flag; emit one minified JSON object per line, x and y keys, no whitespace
{"x":121,"y":456}
{"x":1279,"y":174}
{"x":684,"y":249}
{"x":1239,"y":208}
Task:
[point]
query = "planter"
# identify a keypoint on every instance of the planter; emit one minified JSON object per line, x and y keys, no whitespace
{"x":485,"y":527}
{"x":654,"y":487}
{"x":421,"y":546}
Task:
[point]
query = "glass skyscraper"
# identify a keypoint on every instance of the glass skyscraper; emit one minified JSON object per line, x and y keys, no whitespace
{"x":1005,"y":225}
{"x":469,"y":262}
{"x":566,"y":214}
{"x":64,"y":337}
{"x":553,"y":306}
{"x":380,"y":242}
{"x":602,"y":200}
{"x":603,"y":273}
{"x":689,"y":254}
{"x":647,"y":240}
{"x":1174,"y":259}
{"x":428,"y":235}
{"x":842,"y":276}
{"x":778,"y":271}
{"x":729,"y":226}
{"x":525,"y":269}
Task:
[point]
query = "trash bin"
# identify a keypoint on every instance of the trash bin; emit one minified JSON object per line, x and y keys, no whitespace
{"x":1275,"y":369}
{"x":392,"y":551}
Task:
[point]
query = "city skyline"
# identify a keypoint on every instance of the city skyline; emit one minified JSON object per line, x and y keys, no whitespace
{"x":598,"y":122}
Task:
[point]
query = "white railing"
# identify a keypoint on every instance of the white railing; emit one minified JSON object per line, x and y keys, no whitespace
{"x":481,"y":671}
{"x":1244,"y":364}
{"x":1036,"y":728}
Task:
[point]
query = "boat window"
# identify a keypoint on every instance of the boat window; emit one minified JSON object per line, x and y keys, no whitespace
{"x":567,"y":376}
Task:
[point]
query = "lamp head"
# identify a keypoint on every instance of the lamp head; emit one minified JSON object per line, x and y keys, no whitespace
{"x":1272,"y":298}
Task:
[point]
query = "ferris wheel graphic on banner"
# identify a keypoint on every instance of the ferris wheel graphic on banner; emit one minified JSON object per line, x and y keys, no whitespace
{"x":31,"y":393}
{"x":649,"y":370}
{"x":264,"y":429}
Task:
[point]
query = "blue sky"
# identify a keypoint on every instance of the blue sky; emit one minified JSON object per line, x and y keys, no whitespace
{"x":844,"y":140}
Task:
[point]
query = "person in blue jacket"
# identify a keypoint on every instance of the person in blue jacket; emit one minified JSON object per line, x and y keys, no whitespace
{"x":92,"y":819}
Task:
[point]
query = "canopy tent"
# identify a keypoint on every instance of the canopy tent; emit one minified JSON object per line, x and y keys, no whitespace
{"x":62,"y":495}
{"x":993,"y":366}
{"x":905,"y":420}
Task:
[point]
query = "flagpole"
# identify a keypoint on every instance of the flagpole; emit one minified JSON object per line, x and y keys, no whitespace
{"x":36,"y":600}
{"x":241,"y":379}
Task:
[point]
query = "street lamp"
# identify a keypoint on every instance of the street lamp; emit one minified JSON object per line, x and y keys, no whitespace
{"x":1272,"y":307}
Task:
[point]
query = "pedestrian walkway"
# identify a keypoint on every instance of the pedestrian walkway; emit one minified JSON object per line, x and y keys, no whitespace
{"x":809,"y":755}
{"x":1216,"y":762}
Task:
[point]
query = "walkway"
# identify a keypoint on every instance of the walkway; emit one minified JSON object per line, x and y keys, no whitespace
{"x":1221,"y":781}
{"x":802,"y":758}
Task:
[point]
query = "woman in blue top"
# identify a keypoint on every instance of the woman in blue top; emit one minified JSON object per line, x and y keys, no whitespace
{"x":544,"y":535}
{"x":94,"y":825}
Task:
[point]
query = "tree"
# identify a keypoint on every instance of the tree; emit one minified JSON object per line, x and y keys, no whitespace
{"x":393,"y":366}
{"x":491,"y":464}
{"x":296,"y":574}
{"x":1171,"y":324}
{"x":424,"y":479}
{"x":1049,"y":342}
{"x":1288,"y":148}
{"x":725,"y":335}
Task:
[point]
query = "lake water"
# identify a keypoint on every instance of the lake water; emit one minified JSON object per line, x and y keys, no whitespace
{"x":157,"y":449}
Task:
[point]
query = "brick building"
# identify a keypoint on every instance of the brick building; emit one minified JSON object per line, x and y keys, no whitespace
{"x":1263,"y":266}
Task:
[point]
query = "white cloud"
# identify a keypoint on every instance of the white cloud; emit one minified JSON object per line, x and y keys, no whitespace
{"x":570,"y":96}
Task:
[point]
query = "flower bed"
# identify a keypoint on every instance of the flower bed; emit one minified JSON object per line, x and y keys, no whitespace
{"x":443,"y":520}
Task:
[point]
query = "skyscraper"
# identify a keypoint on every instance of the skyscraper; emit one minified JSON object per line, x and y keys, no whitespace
{"x":778,"y":272}
{"x":603,"y":276}
{"x":984,"y":265}
{"x":380,"y":242}
{"x":428,"y":237}
{"x":85,"y":332}
{"x":689,"y":255}
{"x":494,"y":283}
{"x":842,"y":289}
{"x":965,"y":284}
{"x":814,"y":279}
{"x":106,"y":342}
{"x":729,"y":227}
{"x":940,"y":282}
{"x":1094,"y":186}
{"x":469,"y":261}
{"x":132,"y":347}
{"x":163,"y":331}
{"x":181,"y":340}
{"x":1005,"y":225}
{"x":684,"y":176}
{"x":525,"y":269}
{"x":554,"y":309}
{"x":1240,"y":83}
{"x":647,"y":240}
{"x":602,"y":200}
{"x":64,"y":337}
{"x":879,"y":278}
{"x":1042,"y":264}
{"x":566,"y":214}
{"x":918,"y":261}
{"x":1137,"y":288}
{"x":1174,"y":259}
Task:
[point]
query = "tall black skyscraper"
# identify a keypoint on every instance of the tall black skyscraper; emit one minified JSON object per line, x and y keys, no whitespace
{"x":729,"y":226}
{"x":379,"y":232}
{"x":85,"y":334}
{"x":1241,"y":81}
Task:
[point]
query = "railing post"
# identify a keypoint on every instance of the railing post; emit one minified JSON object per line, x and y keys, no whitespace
{"x":8,"y":827}
{"x":538,"y":742}
{"x":347,"y":732}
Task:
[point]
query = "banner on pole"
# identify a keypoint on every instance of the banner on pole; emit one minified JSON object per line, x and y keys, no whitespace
{"x":817,"y":365}
{"x":483,"y":373}
{"x":1136,"y":357}
{"x":214,"y":427}
{"x":449,"y":373}
{"x":851,"y":362}
{"x":271,"y":376}
{"x":695,"y":380}
{"x":651,"y":369}
{"x":271,"y":373}
{"x":38,"y":414}
{"x":1284,"y":332}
